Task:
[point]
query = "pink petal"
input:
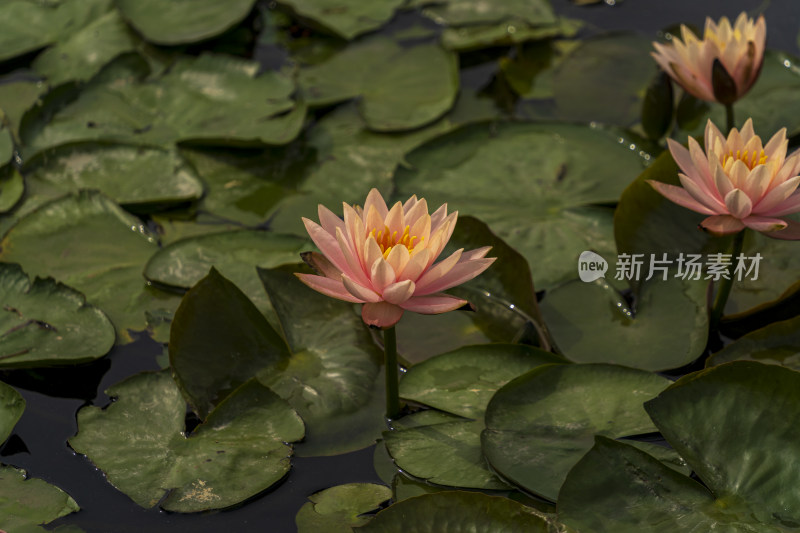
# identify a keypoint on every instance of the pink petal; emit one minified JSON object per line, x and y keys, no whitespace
{"x":395,"y":220}
{"x":354,"y":268}
{"x":680,"y":197}
{"x":790,"y":233}
{"x":738,"y":203}
{"x":757,"y":183}
{"x":321,"y":264}
{"x":433,"y":305}
{"x":328,"y":220}
{"x":722,"y":224}
{"x":438,"y":217}
{"x":774,"y":199}
{"x":398,"y":258}
{"x":381,"y":314}
{"x":787,"y":207}
{"x":696,"y":171}
{"x":764,"y":224}
{"x":327,"y":244}
{"x":381,"y":274}
{"x":438,"y":270}
{"x":416,"y":265}
{"x":374,"y":199}
{"x":477,"y":253}
{"x":399,"y":292}
{"x":459,"y":274}
{"x":361,"y":293}
{"x":328,"y":286}
{"x":417,"y":211}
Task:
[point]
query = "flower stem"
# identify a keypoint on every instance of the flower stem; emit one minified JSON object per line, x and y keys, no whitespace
{"x":392,"y":395}
{"x":726,"y":283}
{"x":729,"y":117}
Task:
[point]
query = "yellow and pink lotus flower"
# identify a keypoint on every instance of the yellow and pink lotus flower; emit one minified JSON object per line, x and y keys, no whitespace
{"x":738,"y":182}
{"x":385,"y":258}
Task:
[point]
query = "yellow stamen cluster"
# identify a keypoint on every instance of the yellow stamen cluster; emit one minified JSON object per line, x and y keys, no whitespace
{"x":387,"y":239}
{"x":756,"y":158}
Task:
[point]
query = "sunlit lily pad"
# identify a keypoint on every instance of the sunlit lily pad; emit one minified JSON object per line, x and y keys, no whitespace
{"x":212,"y":98}
{"x":176,"y":22}
{"x":26,"y":502}
{"x":85,"y":52}
{"x":745,"y":460}
{"x":346,"y":18}
{"x":778,"y":343}
{"x":457,"y":512}
{"x":463,"y":381}
{"x":446,"y":453}
{"x":401,"y":88}
{"x":540,"y":424}
{"x":44,"y":323}
{"x":593,"y":323}
{"x":87,"y":242}
{"x":27,"y":25}
{"x":334,"y":377}
{"x":12,"y":406}
{"x":467,"y":12}
{"x":340,"y":508}
{"x":137,"y":177}
{"x":537,"y":186}
{"x":138,"y":441}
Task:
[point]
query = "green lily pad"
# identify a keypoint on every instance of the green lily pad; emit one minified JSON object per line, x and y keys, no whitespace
{"x":541,"y":423}
{"x":27,"y":502}
{"x":468,"y":12}
{"x":16,"y":97}
{"x":604,"y":80}
{"x":402,"y":88}
{"x":218,"y":341}
{"x":340,"y":508}
{"x":778,"y":343}
{"x":46,"y":323}
{"x":550,"y":216}
{"x":443,"y":453}
{"x":346,"y":18}
{"x":209,"y":99}
{"x":463,"y":381}
{"x":12,"y":405}
{"x":457,"y":512}
{"x":512,"y":32}
{"x":235,"y":254}
{"x":85,"y":52}
{"x":44,"y":22}
{"x":334,"y":377}
{"x":592,"y":323}
{"x":87,"y":242}
{"x":6,"y":144}
{"x":138,"y":178}
{"x":138,"y":441}
{"x":176,"y":22}
{"x":12,"y":187}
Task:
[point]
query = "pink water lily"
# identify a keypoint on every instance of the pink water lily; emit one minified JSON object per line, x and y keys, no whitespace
{"x":739,"y":49}
{"x":384,"y":258}
{"x":738,"y":182}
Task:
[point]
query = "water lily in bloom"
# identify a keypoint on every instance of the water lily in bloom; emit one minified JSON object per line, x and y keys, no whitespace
{"x":739,"y":49}
{"x":385,"y":258}
{"x":738,"y":182}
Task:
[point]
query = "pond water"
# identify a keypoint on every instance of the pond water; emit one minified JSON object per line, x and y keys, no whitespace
{"x":39,"y":441}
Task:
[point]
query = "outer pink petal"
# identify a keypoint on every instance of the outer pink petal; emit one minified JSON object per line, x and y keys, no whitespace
{"x":381,"y":314}
{"x":328,"y":220}
{"x":354,"y":268}
{"x":363,"y":294}
{"x":680,"y":197}
{"x":787,"y":207}
{"x":322,"y":265}
{"x":438,"y":270}
{"x":790,"y":233}
{"x":776,"y":196}
{"x":399,"y":292}
{"x":764,"y":224}
{"x":327,"y":244}
{"x":433,"y":304}
{"x":328,"y":287}
{"x":722,"y":224}
{"x":459,"y":274}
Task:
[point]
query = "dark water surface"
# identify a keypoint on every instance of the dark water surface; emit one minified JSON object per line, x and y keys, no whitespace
{"x":39,"y":441}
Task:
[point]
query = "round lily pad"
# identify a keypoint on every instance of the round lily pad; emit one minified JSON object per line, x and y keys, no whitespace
{"x":346,"y":18}
{"x":340,"y":508}
{"x":28,"y":502}
{"x":538,"y":187}
{"x":778,"y":343}
{"x":541,"y":423}
{"x":45,"y":323}
{"x":139,"y":442}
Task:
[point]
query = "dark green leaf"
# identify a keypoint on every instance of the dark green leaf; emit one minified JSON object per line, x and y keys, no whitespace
{"x":26,"y":502}
{"x":340,"y":508}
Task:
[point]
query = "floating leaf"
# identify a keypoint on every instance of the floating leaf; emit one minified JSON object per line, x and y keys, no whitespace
{"x":468,"y":12}
{"x":175,"y":22}
{"x":468,"y":38}
{"x":12,"y":406}
{"x":463,"y":381}
{"x":340,"y":508}
{"x":138,"y":441}
{"x":137,"y":177}
{"x":12,"y":187}
{"x":778,"y":343}
{"x":87,"y":242}
{"x":540,"y":424}
{"x":533,"y":184}
{"x":334,"y":377}
{"x":27,"y":502}
{"x":218,"y":341}
{"x":346,"y":18}
{"x":592,"y":323}
{"x":46,"y":323}
{"x":657,"y":107}
{"x":457,"y":512}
